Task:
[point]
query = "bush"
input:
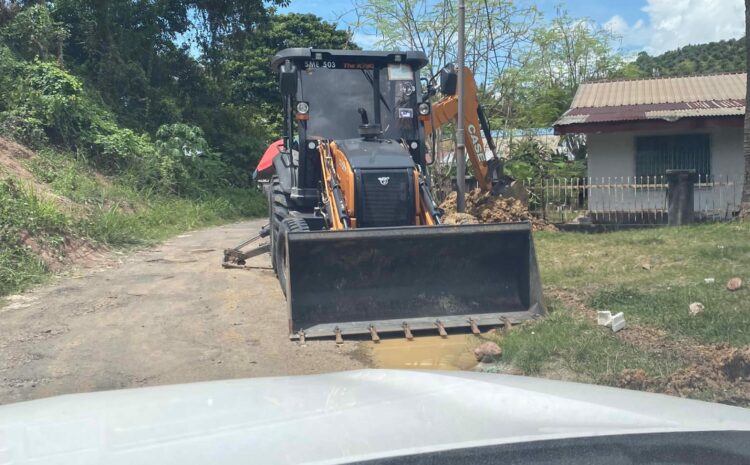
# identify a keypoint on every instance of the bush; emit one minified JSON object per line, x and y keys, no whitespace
{"x":532,"y":161}
{"x":33,"y":33}
{"x":186,"y":163}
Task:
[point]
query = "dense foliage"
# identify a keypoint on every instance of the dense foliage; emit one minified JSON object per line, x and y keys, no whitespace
{"x":715,"y":57}
{"x":115,"y":81}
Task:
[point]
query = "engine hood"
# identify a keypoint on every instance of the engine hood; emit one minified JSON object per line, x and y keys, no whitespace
{"x":334,"y":418}
{"x":375,"y":154}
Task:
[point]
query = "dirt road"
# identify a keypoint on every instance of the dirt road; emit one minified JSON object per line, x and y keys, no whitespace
{"x":166,"y":315}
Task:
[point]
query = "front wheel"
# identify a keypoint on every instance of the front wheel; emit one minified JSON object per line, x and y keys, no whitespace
{"x":278,"y":210}
{"x":288,"y":225}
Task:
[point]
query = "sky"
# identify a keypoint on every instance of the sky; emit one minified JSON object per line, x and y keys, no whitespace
{"x":654,"y":26}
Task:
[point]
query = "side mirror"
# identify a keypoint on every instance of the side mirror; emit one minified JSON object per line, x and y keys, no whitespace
{"x":448,"y":80}
{"x":288,"y":79}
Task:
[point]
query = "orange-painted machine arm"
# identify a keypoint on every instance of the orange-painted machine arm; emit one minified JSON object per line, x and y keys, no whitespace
{"x":445,"y":110}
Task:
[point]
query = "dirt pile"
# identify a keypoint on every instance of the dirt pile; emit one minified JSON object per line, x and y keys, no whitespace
{"x":735,"y":363}
{"x":484,"y":207}
{"x":10,"y":155}
{"x":67,"y":251}
{"x":634,"y":379}
{"x":721,"y":372}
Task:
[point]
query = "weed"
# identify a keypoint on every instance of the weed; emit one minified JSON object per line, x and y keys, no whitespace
{"x":583,"y":350}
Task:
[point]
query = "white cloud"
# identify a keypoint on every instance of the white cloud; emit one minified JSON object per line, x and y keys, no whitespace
{"x":676,"y":23}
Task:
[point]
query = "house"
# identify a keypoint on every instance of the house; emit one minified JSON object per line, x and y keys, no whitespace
{"x":636,"y":130}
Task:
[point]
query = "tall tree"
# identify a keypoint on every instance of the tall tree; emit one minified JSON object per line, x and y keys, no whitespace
{"x":496,"y":32}
{"x":746,"y":185}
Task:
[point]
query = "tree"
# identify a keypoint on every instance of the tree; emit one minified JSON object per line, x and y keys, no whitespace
{"x":745,"y":210}
{"x":563,"y":53}
{"x":496,"y":32}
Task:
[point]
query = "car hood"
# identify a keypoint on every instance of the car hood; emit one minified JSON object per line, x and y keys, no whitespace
{"x":334,"y":418}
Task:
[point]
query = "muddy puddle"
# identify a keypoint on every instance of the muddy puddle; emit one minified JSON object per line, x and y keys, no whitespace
{"x":426,"y":353}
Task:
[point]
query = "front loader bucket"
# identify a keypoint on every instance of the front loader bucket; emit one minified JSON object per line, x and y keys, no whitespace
{"x":354,"y":281}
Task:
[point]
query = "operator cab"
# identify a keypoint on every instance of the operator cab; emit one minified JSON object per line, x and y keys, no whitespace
{"x":367,"y":101}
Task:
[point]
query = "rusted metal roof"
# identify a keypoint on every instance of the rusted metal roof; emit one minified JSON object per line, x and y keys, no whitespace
{"x":667,"y":99}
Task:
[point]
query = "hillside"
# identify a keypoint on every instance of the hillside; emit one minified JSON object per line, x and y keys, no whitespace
{"x":715,"y":57}
{"x":76,"y":182}
{"x":57,"y":212}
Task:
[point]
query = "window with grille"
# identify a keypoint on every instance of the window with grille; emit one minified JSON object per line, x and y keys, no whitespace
{"x":654,"y":155}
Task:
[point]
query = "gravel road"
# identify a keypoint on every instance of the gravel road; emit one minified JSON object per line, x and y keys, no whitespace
{"x":166,"y":315}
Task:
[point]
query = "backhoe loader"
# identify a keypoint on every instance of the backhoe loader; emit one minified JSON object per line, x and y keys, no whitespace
{"x":488,"y":173}
{"x":356,"y":239}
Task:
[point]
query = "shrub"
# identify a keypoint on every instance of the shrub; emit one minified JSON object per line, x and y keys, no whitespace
{"x":33,"y":33}
{"x":186,"y":163}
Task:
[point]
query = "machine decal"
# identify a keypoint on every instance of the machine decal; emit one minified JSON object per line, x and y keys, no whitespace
{"x":384,"y":180}
{"x":475,"y":140}
{"x":320,"y":64}
{"x":359,"y":66}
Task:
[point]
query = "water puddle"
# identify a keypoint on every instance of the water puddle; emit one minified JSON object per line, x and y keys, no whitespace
{"x":427,"y":353}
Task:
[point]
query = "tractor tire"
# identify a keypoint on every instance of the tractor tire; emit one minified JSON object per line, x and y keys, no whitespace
{"x":278,"y":210}
{"x":288,"y":225}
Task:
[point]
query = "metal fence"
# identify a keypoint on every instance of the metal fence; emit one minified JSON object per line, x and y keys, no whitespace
{"x":630,"y":199}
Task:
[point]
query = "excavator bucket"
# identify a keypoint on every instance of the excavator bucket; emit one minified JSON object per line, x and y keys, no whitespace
{"x":397,"y":280}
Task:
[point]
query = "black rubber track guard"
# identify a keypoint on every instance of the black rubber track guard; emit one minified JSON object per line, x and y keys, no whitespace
{"x":384,"y":277}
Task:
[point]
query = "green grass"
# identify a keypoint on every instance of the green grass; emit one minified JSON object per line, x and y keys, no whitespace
{"x":612,"y":268}
{"x":677,"y":256}
{"x":652,"y":276}
{"x":584,"y":351}
{"x":75,"y":201}
{"x":726,"y":318}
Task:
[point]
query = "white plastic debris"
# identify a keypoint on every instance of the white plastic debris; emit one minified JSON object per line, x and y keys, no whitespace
{"x":617,"y":322}
{"x":709,"y":280}
{"x":604,"y":318}
{"x":696,"y":308}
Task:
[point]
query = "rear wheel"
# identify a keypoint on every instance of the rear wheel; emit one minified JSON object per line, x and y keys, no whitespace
{"x":288,"y":225}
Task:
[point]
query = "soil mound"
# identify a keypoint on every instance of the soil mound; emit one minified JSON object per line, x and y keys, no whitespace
{"x":485,"y":207}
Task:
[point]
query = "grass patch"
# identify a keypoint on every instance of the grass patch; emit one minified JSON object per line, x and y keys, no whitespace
{"x":161,"y":218}
{"x":651,"y":275}
{"x":582,"y":350}
{"x":676,"y":256}
{"x":726,"y":318}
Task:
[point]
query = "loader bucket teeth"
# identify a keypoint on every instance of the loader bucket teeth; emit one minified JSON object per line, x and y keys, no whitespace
{"x":406,"y":279}
{"x":407,"y":332}
{"x":441,"y":329}
{"x":339,"y":338}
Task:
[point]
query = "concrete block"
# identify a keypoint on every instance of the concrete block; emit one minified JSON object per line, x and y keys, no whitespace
{"x":618,"y":322}
{"x":604,"y":318}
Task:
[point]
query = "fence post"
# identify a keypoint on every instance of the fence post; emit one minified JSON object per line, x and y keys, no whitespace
{"x":680,"y":196}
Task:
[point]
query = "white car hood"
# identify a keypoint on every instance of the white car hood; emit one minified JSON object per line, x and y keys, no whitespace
{"x":334,"y":418}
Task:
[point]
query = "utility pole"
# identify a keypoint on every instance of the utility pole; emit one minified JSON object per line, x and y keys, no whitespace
{"x":460,"y":134}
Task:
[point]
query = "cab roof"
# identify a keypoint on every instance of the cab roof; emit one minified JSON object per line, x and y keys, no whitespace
{"x":416,"y":59}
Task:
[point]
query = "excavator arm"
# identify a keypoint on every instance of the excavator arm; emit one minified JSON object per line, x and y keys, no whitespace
{"x":445,"y":110}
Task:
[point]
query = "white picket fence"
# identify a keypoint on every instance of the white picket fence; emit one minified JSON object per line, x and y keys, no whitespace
{"x":631,"y":199}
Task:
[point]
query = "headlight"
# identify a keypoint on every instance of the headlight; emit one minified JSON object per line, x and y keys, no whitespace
{"x":303,"y":108}
{"x":424,"y":109}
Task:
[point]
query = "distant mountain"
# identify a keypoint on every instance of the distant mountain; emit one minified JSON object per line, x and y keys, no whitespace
{"x":715,"y":57}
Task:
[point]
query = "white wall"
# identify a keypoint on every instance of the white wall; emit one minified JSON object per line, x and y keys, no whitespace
{"x":611,"y":167}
